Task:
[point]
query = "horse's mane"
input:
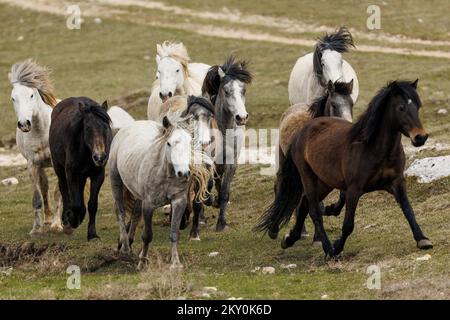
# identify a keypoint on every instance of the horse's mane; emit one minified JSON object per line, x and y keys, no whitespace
{"x":193,"y":100}
{"x":367,"y":126}
{"x":234,"y":70}
{"x":92,"y":107}
{"x":317,"y":108}
{"x":339,"y":41}
{"x":174,"y":50}
{"x":29,"y":73}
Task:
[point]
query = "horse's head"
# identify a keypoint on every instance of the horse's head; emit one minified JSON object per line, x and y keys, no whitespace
{"x":97,"y":132}
{"x":339,"y":101}
{"x":178,"y":148}
{"x":234,"y":78}
{"x":172,"y":68}
{"x":202,"y":113}
{"x":26,"y":104}
{"x":404,"y":108}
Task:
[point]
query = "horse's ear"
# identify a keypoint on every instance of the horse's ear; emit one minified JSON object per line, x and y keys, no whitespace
{"x":414,"y":84}
{"x":166,"y":123}
{"x":105,"y":105}
{"x":350,"y":86}
{"x":220,"y":72}
{"x":330,"y":86}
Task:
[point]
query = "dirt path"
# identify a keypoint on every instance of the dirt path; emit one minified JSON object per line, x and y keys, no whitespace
{"x":109,"y":8}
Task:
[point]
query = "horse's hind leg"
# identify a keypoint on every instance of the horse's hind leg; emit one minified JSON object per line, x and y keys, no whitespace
{"x":136,"y":216}
{"x":296,"y":232}
{"x":96,"y":184}
{"x":399,"y":192}
{"x":147,"y":235}
{"x":37,"y":199}
{"x":336,"y":208}
{"x":224,"y":196}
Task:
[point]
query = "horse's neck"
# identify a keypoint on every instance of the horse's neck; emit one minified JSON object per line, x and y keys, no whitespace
{"x":388,"y":140}
{"x":224,"y":118}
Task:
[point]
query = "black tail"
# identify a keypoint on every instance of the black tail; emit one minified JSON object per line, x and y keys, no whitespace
{"x":288,"y":193}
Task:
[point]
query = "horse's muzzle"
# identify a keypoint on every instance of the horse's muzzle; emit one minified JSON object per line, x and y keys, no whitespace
{"x":419,"y":140}
{"x":241,"y":121}
{"x":99,"y":159}
{"x":24,"y":127}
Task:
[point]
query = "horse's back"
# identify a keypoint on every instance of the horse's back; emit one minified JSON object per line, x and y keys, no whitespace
{"x":292,"y":120}
{"x":119,"y":118}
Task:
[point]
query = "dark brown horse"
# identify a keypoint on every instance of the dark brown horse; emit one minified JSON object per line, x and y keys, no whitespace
{"x":80,"y":139}
{"x":330,"y":153}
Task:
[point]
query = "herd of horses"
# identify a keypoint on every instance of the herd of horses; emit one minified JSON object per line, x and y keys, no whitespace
{"x":182,"y":151}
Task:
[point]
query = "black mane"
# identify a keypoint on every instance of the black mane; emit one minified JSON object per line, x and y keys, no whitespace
{"x":366,"y":128}
{"x":234,"y":70}
{"x":339,"y":41}
{"x":204,"y":103}
{"x":89,"y":106}
{"x":317,"y":108}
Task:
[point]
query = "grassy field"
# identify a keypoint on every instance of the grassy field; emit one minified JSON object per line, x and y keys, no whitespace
{"x":109,"y":61}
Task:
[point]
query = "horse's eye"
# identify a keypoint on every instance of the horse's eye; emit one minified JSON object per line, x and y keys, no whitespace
{"x":227,"y":93}
{"x":168,"y":143}
{"x":12,"y":99}
{"x":402,"y":107}
{"x":32,"y":95}
{"x":178,"y":70}
{"x":244,"y":91}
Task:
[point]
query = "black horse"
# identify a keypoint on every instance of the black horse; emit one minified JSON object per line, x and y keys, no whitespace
{"x":80,"y":139}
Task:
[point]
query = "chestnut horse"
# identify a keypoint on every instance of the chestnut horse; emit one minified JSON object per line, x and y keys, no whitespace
{"x":80,"y":139}
{"x":330,"y":153}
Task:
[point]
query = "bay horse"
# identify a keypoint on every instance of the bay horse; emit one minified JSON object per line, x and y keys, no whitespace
{"x":80,"y":140}
{"x":331,"y":153}
{"x":33,"y":100}
{"x":311,"y":73}
{"x":225,"y":86}
{"x":335,"y":102}
{"x":156,"y":163}
{"x":175,"y":75}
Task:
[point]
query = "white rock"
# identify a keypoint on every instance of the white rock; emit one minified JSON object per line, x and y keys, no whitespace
{"x":234,"y":298}
{"x":147,"y":58}
{"x":256,"y":269}
{"x":210,"y":290}
{"x":420,"y":20}
{"x":424,"y":258}
{"x":10,"y":181}
{"x":206,"y":295}
{"x":325,"y":296}
{"x":20,"y":38}
{"x":442,"y":111}
{"x":429,"y":169}
{"x":289,"y":266}
{"x":213,"y":254}
{"x":97,"y":20}
{"x":268,"y":270}
{"x":369,"y":226}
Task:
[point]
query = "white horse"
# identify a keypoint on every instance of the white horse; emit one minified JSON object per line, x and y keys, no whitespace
{"x":313,"y":71}
{"x":155,"y":163}
{"x":174,"y":76}
{"x":119,"y":118}
{"x":33,"y":100}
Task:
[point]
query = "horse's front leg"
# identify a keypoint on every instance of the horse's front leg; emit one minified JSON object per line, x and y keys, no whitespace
{"x":43,"y":184}
{"x":351,"y":201}
{"x":224,"y":195}
{"x":147,"y":234}
{"x":336,"y":208}
{"x":178,"y":207}
{"x":96,"y":183}
{"x":34,"y":172}
{"x":399,"y":191}
{"x":56,"y":225}
{"x":198,"y":210}
{"x":77,"y":209}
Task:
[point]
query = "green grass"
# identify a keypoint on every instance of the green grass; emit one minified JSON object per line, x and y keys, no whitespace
{"x":107,"y":62}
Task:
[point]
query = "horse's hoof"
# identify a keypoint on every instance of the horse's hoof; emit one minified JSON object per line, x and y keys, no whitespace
{"x":273,"y":235}
{"x":124,"y":252}
{"x":142,"y":264}
{"x":68,"y":230}
{"x":56,"y":227}
{"x":317,"y":243}
{"x":94,"y":238}
{"x":176,"y":267}
{"x":36,"y":232}
{"x":304,"y":235}
{"x":424,"y":244}
{"x":221,"y":227}
{"x":284,"y":244}
{"x":194,"y":238}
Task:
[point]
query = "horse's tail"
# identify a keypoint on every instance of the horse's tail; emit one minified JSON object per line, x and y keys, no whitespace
{"x":288,"y":192}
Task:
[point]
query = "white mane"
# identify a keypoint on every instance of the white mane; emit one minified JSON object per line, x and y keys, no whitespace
{"x":29,"y":73}
{"x":174,"y":50}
